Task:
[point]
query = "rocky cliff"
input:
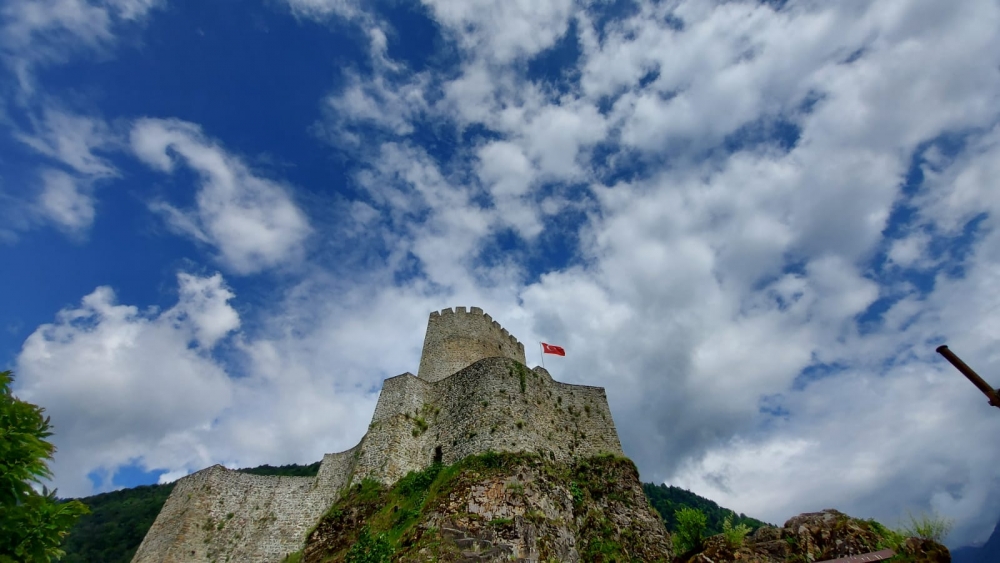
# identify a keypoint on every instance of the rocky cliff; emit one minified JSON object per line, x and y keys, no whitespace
{"x":496,"y":507}
{"x":819,"y":536}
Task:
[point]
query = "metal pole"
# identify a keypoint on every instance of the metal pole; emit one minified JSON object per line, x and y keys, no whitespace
{"x":542,"y":350}
{"x":990,"y":392}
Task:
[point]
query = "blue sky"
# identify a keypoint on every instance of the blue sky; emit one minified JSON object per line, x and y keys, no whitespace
{"x":225,"y":223}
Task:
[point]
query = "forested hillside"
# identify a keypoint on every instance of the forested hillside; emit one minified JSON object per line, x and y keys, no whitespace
{"x":116,"y":524}
{"x":666,"y":500}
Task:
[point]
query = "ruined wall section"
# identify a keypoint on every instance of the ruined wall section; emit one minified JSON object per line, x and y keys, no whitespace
{"x":219,"y":515}
{"x":495,"y":404}
{"x":335,"y":470}
{"x":456,"y":339}
{"x":173,"y":535}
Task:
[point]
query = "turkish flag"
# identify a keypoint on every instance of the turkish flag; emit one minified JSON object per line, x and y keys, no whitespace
{"x":551,"y":349}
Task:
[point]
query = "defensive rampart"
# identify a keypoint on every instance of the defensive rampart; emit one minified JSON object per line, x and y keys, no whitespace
{"x":490,"y":403}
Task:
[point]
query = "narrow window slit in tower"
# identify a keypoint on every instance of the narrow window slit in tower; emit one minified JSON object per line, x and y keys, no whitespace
{"x":438,"y":456}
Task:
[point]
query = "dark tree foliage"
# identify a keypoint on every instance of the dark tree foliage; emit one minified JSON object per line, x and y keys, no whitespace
{"x":291,"y":470}
{"x":118,"y":521}
{"x":667,"y":500}
{"x":116,"y":524}
{"x":32,"y":523}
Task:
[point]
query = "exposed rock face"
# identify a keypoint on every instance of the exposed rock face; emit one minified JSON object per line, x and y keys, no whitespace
{"x":504,"y":507}
{"x":816,"y":536}
{"x":829,"y":535}
{"x":919,"y":550}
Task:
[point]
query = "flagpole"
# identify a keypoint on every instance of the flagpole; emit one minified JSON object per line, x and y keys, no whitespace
{"x":540,"y":349}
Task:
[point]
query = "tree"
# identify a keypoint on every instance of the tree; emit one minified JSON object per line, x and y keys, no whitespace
{"x":690,"y":530}
{"x":32,"y":524}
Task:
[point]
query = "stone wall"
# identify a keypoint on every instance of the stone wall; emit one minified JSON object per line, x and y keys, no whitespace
{"x":219,"y":515}
{"x":490,"y":401}
{"x":456,"y":339}
{"x":483,"y":407}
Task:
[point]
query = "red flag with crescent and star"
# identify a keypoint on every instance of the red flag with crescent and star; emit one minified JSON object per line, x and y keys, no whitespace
{"x":553,"y":349}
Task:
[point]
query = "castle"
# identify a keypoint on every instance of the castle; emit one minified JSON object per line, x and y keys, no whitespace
{"x":472,"y":393}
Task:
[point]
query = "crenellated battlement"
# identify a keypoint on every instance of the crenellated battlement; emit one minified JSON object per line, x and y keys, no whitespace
{"x":456,"y":339}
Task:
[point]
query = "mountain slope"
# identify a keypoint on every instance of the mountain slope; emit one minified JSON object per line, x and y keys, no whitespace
{"x":989,"y":552}
{"x":668,"y":499}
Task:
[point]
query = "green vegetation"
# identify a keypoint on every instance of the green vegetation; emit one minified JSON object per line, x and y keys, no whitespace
{"x":370,"y":549}
{"x":419,"y":426}
{"x":690,"y":532}
{"x":117,"y":523}
{"x":668,"y":499}
{"x":522,"y":375}
{"x":734,"y":535}
{"x":32,"y":524}
{"x":928,"y":527}
{"x":291,"y":470}
{"x":888,"y":538}
{"x":385,"y":519}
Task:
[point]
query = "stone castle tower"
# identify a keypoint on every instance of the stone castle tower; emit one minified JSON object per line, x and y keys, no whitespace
{"x":472,"y":393}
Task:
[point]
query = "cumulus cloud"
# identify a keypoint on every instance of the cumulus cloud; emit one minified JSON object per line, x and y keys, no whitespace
{"x":146,"y":387}
{"x":252,"y":221}
{"x":504,"y":31}
{"x":119,"y":382}
{"x":742,"y":164}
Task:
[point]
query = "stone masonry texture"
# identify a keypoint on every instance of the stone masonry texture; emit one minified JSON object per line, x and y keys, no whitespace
{"x":455,"y":340}
{"x":473,"y":394}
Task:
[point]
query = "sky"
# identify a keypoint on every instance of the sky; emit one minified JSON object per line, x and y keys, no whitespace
{"x":224,"y":223}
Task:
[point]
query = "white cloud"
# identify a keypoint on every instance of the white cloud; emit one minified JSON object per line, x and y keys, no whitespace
{"x":907,"y":252}
{"x":502,"y":31}
{"x":72,"y":140}
{"x":125,"y":386}
{"x":319,"y":9}
{"x":252,"y":221}
{"x":66,"y":201}
{"x":708,"y":279}
{"x":383,"y":103}
{"x":118,"y":381}
{"x":46,"y":31}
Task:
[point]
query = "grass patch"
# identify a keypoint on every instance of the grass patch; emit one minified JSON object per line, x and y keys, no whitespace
{"x":419,"y":426}
{"x":928,"y":527}
{"x":887,"y":537}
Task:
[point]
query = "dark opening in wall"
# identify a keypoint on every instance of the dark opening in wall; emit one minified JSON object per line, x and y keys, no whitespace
{"x":438,"y":456}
